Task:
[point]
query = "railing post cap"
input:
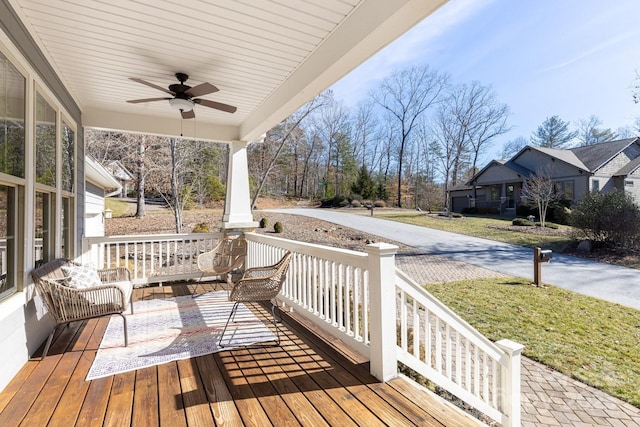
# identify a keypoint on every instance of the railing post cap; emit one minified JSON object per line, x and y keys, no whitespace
{"x":510,"y":346}
{"x":381,"y":248}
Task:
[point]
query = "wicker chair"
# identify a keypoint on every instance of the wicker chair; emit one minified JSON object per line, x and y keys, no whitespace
{"x":228,"y":256}
{"x":66,"y":304}
{"x":259,"y":284}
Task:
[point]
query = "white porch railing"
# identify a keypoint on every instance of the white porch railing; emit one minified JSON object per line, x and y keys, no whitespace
{"x":439,"y":345}
{"x":151,"y":258}
{"x":359,"y":298}
{"x":362,"y":299}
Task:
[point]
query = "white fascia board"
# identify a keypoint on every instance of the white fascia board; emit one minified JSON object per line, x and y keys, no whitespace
{"x":372,"y":26}
{"x":98,"y":175}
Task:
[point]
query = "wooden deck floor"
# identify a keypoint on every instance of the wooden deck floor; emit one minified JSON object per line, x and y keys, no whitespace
{"x":305,"y":381}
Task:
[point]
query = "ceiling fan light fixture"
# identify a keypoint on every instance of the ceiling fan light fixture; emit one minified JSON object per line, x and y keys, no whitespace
{"x":181,"y":104}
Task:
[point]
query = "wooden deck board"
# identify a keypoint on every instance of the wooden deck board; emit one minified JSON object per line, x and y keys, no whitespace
{"x":306,"y":381}
{"x":171,"y":407}
{"x":145,"y":402}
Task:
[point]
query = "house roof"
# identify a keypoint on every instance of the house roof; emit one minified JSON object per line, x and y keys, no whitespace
{"x":119,"y":171}
{"x":595,"y":156}
{"x":628,"y":168}
{"x":267,"y":58}
{"x":98,"y":175}
{"x":566,"y":156}
{"x":520,"y":170}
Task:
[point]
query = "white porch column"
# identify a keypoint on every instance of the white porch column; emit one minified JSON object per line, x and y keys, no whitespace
{"x":382,"y":299}
{"x":511,"y":382}
{"x":237,"y":204}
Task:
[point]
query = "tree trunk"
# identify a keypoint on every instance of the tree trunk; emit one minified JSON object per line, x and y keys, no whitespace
{"x":140,"y":203}
{"x":177,"y":205}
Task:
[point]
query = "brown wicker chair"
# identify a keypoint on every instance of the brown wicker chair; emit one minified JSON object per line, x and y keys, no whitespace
{"x":228,"y":256}
{"x":259,"y":284}
{"x":66,"y":304}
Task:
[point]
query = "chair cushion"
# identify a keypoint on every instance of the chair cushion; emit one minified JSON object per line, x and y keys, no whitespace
{"x":81,"y":276}
{"x":126,"y":286}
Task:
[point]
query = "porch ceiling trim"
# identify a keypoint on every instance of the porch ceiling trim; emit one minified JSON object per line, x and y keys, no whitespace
{"x":268,"y":58}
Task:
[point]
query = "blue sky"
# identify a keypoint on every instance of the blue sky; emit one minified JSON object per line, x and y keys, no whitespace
{"x":571,"y":58}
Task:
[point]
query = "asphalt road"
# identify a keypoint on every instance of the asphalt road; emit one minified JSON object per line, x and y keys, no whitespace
{"x":612,"y":283}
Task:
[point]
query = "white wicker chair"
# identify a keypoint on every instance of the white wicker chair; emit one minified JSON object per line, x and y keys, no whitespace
{"x":66,"y":304}
{"x":228,"y":255}
{"x":259,"y":284}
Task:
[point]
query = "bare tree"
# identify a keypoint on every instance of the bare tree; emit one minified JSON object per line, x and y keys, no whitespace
{"x":540,"y":191}
{"x":488,"y":118}
{"x":512,"y":147}
{"x":405,"y":96}
{"x":289,"y":125}
{"x":140,"y":178}
{"x":590,"y":132}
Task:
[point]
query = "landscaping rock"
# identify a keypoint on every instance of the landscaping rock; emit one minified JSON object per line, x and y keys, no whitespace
{"x":585,"y":247}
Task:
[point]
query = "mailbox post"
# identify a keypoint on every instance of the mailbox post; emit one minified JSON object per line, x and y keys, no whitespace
{"x":540,"y":257}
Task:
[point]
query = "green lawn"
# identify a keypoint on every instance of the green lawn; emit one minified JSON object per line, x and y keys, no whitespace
{"x":117,"y":206}
{"x":593,"y":341}
{"x":480,"y":227}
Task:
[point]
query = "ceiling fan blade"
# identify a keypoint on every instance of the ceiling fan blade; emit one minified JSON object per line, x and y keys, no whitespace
{"x":188,"y":114}
{"x":138,"y":101}
{"x":151,"y":85}
{"x":216,"y":105}
{"x":201,"y":89}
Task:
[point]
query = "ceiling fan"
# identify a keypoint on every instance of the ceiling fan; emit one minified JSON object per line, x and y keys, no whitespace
{"x":184,"y":97}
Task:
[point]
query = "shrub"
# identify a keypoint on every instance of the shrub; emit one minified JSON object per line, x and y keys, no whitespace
{"x":379,"y":204}
{"x":278,"y":228}
{"x":202,"y":227}
{"x":356,"y":203}
{"x":521,"y":222}
{"x":333,"y":202}
{"x":344,"y":203}
{"x":550,"y":225}
{"x":470,"y":211}
{"x":264,"y":222}
{"x":456,"y":215}
{"x":612,"y":218}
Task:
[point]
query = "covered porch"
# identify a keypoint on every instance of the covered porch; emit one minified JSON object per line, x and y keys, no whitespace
{"x":71,"y":67}
{"x":308,"y":380}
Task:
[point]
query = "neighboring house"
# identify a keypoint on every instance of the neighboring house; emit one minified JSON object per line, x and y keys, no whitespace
{"x":125,"y":178}
{"x":99,"y":184}
{"x":576,"y":171}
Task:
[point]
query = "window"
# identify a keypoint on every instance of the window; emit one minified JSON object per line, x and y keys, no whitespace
{"x":565,"y":190}
{"x":45,"y":142}
{"x":67,"y":227}
{"x":12,"y":116}
{"x":68,"y":156}
{"x":595,"y":185}
{"x":9,"y":225}
{"x":43,"y":248}
{"x":12,"y":174}
{"x":628,"y":183}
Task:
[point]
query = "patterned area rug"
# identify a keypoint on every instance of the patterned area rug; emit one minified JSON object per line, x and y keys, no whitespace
{"x":164,"y":330}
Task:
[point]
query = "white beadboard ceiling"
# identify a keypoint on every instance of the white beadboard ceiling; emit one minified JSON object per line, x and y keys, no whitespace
{"x":267,"y":57}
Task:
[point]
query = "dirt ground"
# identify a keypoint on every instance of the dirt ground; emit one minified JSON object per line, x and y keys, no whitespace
{"x":295,"y":228}
{"x":160,"y":220}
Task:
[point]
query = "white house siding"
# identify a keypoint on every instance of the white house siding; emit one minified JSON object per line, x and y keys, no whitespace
{"x":94,"y":203}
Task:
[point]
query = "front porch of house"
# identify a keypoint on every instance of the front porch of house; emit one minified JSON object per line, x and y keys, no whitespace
{"x":308,"y":380}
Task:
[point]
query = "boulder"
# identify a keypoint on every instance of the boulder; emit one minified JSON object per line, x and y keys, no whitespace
{"x":585,"y":247}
